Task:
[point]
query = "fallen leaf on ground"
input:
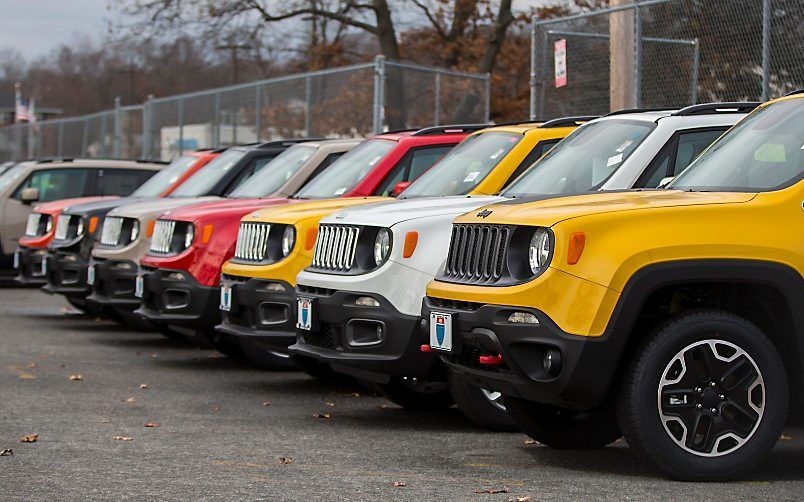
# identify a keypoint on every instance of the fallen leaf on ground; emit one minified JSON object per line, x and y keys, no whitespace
{"x":521,"y":499}
{"x":124,"y":438}
{"x":322,"y":415}
{"x":76,"y":378}
{"x":26,"y":376}
{"x":46,"y":356}
{"x":151,"y":424}
{"x":399,"y":484}
{"x":785,"y":437}
{"x":215,"y":408}
{"x":30,"y":438}
{"x":493,"y":490}
{"x":144,"y":386}
{"x":130,"y":399}
{"x":531,"y":441}
{"x":154,"y":354}
{"x":285,"y":460}
{"x":7,"y":452}
{"x":329,"y":403}
{"x":31,"y":365}
{"x":104,"y":421}
{"x":266,"y":403}
{"x":383,"y":407}
{"x":347,"y":394}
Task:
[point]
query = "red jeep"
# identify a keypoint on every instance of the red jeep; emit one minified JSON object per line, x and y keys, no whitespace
{"x":179,"y":286}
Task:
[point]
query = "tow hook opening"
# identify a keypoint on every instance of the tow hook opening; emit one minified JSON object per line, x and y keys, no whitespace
{"x":491,"y":360}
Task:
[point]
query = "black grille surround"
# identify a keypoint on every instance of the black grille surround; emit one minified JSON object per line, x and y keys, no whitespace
{"x":490,"y":255}
{"x":360,"y":259}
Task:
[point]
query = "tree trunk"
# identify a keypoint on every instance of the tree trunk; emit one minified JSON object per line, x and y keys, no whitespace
{"x":395,"y":105}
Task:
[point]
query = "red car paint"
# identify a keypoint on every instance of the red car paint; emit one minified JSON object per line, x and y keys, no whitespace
{"x":204,"y":260}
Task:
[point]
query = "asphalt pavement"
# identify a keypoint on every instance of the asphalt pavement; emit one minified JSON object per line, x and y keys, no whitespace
{"x":126,"y":415}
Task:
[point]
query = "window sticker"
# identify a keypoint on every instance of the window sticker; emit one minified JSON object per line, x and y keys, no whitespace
{"x":614,"y":159}
{"x":375,"y":160}
{"x":471,"y":177}
{"x":625,"y":145}
{"x":497,"y":153}
{"x":340,"y":191}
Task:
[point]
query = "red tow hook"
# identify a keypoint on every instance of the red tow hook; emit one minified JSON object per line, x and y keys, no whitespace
{"x":425,"y":348}
{"x":491,"y":360}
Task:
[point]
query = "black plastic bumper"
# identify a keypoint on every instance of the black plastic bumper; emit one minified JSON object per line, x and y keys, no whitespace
{"x":373,"y":343}
{"x":587,"y":364}
{"x":66,"y":274}
{"x":260,"y":317}
{"x":175,"y":298}
{"x":29,"y":269}
{"x":114,"y":284}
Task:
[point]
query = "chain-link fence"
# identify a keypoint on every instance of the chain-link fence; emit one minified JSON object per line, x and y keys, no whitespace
{"x":666,"y":53}
{"x":349,"y":101}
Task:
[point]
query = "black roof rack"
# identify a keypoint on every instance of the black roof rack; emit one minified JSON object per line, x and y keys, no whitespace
{"x":285,"y":142}
{"x":638,"y":110}
{"x":568,"y":121}
{"x":400,"y":131}
{"x":793,"y":93}
{"x":519,"y":122}
{"x":710,"y":108}
{"x":150,"y":161}
{"x":220,"y":150}
{"x":450,"y":129}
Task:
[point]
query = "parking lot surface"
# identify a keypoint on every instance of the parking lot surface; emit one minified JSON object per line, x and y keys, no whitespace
{"x":219,"y":430}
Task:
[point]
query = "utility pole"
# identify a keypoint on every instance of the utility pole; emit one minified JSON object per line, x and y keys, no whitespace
{"x":622,"y":78}
{"x":235,"y":62}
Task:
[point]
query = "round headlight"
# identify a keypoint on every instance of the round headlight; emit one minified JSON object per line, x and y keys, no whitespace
{"x":189,"y":236}
{"x":539,"y":251}
{"x":79,"y":231}
{"x":135,"y":230}
{"x":288,"y":240}
{"x":382,"y":246}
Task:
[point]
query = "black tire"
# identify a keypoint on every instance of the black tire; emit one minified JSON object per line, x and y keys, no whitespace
{"x":563,"y":428}
{"x":416,"y":395}
{"x":484,"y":409}
{"x":710,"y":344}
{"x":266,"y":359}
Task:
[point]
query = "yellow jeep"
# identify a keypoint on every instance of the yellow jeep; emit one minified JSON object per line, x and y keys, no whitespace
{"x":674,"y":317}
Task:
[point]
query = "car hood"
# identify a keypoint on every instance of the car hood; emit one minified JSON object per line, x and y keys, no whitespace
{"x":221,"y":208}
{"x":155,"y":207}
{"x":549,"y":211}
{"x":57,"y":206}
{"x":102,"y":206}
{"x":396,"y":211}
{"x":291,"y":214}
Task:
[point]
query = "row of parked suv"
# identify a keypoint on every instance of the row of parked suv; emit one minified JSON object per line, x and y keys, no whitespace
{"x":580,"y":279}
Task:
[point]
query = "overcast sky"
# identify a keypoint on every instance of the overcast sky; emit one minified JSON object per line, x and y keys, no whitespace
{"x":35,"y":27}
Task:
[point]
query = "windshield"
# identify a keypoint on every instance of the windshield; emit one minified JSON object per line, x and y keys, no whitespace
{"x":12,"y":175}
{"x":583,"y":160}
{"x":208,"y":176}
{"x":162,"y":180}
{"x":346,"y":172}
{"x":762,"y":152}
{"x":268,"y":179}
{"x":465,"y":166}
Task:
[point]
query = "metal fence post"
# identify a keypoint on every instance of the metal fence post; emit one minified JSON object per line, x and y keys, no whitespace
{"x":181,"y":127}
{"x":118,"y":128}
{"x":258,"y":111}
{"x":437,"y":100}
{"x":766,"y":49}
{"x":533,"y":62}
{"x":487,"y":99}
{"x":216,"y":126}
{"x":379,"y":93}
{"x":60,"y":141}
{"x":696,"y":63}
{"x":308,"y":108}
{"x":31,"y":141}
{"x":637,"y":54}
{"x":147,"y":130}
{"x":85,"y":139}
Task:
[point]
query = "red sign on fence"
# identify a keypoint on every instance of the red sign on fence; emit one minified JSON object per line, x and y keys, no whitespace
{"x":560,"y":58}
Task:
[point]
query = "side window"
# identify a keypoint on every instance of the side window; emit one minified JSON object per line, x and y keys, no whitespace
{"x":690,"y":145}
{"x":412,"y":165}
{"x":329,"y":159}
{"x":676,"y":155}
{"x":657,"y":169}
{"x":55,"y":184}
{"x":120,"y":181}
{"x":538,"y":151}
{"x":255,"y":165}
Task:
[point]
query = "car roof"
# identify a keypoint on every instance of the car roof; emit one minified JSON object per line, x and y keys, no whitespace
{"x":102,"y":163}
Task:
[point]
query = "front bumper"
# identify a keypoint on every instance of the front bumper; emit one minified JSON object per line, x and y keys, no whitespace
{"x":29,"y":266}
{"x":373,"y":343}
{"x":260,"y":317}
{"x":66,"y":274}
{"x":587,"y":363}
{"x":175,"y":298}
{"x":114,"y":284}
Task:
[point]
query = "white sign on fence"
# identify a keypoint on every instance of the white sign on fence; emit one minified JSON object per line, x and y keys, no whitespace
{"x":560,"y":58}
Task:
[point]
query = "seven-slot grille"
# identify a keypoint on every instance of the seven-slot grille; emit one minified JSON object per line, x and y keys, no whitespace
{"x":335,"y":247}
{"x":477,"y":253}
{"x":162,"y":236}
{"x":252,"y":241}
{"x":112,"y":228}
{"x":32,"y":228}
{"x":62,"y":226}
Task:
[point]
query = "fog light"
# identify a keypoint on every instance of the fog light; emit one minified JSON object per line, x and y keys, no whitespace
{"x":273,"y":287}
{"x":367,"y":301}
{"x":123,"y":266}
{"x":552,"y":362}
{"x":522,"y":318}
{"x":70,"y":258}
{"x":175,"y":276}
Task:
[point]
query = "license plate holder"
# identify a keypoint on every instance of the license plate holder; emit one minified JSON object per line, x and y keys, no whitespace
{"x":91,"y":275}
{"x":226,"y":298}
{"x":17,"y":259}
{"x":304,"y":313}
{"x":139,"y":286}
{"x":441,"y":331}
{"x":43,"y":268}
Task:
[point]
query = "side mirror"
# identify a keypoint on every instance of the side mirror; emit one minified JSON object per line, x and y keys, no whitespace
{"x":666,"y":181}
{"x":400,"y":187}
{"x":29,"y":195}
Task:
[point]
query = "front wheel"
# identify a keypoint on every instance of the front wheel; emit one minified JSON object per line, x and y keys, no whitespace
{"x":563,"y":428}
{"x":704,"y":397}
{"x":416,"y":393}
{"x":483,"y":407}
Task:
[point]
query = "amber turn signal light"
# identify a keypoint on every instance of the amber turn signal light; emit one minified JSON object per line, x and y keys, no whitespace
{"x":309,"y":241}
{"x":577,"y":241}
{"x":93,"y":224}
{"x":411,"y":239}
{"x":206,"y":234}
{"x":150,"y":230}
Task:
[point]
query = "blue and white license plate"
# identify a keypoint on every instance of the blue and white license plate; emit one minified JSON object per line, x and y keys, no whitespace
{"x":304,"y":320}
{"x":44,"y":266}
{"x":91,"y":275}
{"x":226,"y":297}
{"x":441,"y":331}
{"x":17,"y":260}
{"x":139,"y":286}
